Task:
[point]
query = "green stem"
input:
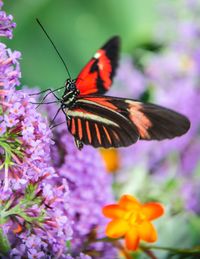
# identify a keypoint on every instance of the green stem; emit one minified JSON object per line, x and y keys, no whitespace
{"x":194,"y":250}
{"x":4,"y":243}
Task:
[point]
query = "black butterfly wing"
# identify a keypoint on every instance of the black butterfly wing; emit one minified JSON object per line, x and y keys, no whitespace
{"x":103,"y":121}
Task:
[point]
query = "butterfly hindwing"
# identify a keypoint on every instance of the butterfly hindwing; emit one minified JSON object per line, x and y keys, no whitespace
{"x":98,"y":125}
{"x":103,"y":121}
{"x":96,"y":77}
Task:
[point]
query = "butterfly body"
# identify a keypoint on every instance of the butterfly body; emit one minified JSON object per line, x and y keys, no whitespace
{"x":71,"y":92}
{"x":105,"y":121}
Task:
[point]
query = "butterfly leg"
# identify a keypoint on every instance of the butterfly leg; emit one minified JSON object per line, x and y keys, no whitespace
{"x":78,"y":143}
{"x":64,"y":109}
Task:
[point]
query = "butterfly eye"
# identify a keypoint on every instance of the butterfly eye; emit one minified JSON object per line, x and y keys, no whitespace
{"x":71,"y":86}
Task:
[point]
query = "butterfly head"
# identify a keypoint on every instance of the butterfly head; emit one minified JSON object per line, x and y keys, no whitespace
{"x":70,"y":94}
{"x":70,"y":84}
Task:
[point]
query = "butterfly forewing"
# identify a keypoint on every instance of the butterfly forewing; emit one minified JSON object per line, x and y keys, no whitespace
{"x":153,"y":121}
{"x":96,"y":77}
{"x":103,"y":121}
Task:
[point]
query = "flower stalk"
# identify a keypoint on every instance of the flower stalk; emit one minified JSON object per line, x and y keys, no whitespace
{"x":4,"y":243}
{"x":172,"y":250}
{"x":8,"y":208}
{"x":12,"y":150}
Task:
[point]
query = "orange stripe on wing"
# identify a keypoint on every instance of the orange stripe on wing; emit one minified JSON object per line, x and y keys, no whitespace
{"x":107,"y":135}
{"x":88,"y":132}
{"x":137,"y":116}
{"x":102,"y":101}
{"x":80,"y":130}
{"x":98,"y":133}
{"x":73,"y":127}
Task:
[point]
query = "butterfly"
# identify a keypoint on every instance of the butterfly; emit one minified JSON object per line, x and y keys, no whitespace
{"x":105,"y":121}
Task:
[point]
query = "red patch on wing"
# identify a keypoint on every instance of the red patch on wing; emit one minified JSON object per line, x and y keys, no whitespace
{"x":86,"y":81}
{"x":105,"y":68}
{"x":96,"y":76}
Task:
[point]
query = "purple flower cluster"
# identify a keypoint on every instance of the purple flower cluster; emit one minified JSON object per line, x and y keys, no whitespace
{"x":177,"y":83}
{"x":131,"y":80}
{"x":90,"y":190}
{"x":9,"y":67}
{"x":50,"y":193}
{"x":29,"y":194}
{"x":37,"y":224}
{"x":33,"y":222}
{"x":6,"y":24}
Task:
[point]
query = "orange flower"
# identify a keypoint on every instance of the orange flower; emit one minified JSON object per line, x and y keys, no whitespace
{"x":111,"y":159}
{"x":132,"y":220}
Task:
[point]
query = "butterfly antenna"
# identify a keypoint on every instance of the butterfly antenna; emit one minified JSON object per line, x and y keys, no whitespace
{"x":54,"y":47}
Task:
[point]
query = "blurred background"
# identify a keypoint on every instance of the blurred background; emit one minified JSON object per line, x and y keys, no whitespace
{"x":160,"y":62}
{"x":78,"y":29}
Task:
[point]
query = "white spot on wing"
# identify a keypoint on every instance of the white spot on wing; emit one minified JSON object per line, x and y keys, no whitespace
{"x":97,"y":55}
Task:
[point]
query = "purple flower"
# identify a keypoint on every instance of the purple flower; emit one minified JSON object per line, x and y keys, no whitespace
{"x":2,"y":128}
{"x":129,"y":82}
{"x":33,"y":253}
{"x":87,"y":177}
{"x":38,"y":219}
{"x":6,"y":24}
{"x":191,"y":195}
{"x":190,"y":159}
{"x":32,"y":181}
{"x":9,"y":68}
{"x":28,"y":134}
{"x":81,"y":256}
{"x":32,"y":204}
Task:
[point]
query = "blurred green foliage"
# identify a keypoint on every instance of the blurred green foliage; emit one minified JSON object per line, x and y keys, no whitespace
{"x":78,"y":28}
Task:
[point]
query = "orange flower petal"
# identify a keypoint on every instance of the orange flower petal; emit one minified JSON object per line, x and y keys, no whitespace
{"x":113,"y":211}
{"x":128,"y":202}
{"x":147,"y":232}
{"x":132,"y":239}
{"x":111,"y":159}
{"x":117,"y":228}
{"x":152,"y":210}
